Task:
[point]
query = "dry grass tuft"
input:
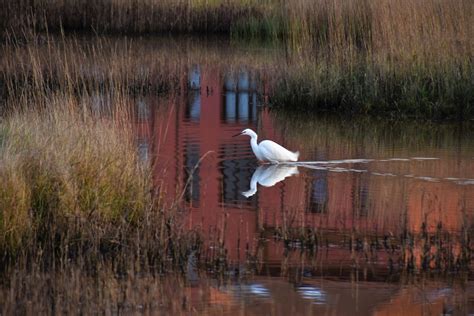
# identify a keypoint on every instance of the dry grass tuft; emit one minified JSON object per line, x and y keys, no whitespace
{"x":74,"y":188}
{"x":60,"y":165}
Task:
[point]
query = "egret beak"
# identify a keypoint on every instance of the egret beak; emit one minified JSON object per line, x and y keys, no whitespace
{"x":238,"y":134}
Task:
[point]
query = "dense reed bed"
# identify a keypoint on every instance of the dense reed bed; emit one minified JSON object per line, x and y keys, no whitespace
{"x":415,"y":29}
{"x":46,"y":64}
{"x":398,"y":24}
{"x":73,"y":187}
{"x":387,"y":89}
{"x":395,"y":59}
{"x":133,"y":66}
{"x":131,"y":17}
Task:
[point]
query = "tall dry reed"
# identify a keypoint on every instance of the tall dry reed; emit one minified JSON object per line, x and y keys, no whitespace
{"x":73,"y":187}
{"x":61,"y":163}
{"x":386,"y":58}
{"x":117,"y":16}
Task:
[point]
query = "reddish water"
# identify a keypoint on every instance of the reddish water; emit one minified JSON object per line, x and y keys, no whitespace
{"x":276,"y":296}
{"x":368,"y":201}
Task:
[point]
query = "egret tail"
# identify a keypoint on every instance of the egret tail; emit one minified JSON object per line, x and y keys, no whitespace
{"x":296,"y":155}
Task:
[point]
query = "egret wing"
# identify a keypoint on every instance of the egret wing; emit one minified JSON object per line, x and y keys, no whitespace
{"x":275,"y":152}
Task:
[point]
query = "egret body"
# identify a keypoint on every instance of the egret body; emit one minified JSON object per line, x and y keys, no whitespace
{"x":268,"y":150}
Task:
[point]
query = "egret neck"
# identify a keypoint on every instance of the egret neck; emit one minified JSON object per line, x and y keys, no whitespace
{"x":254,"y":145}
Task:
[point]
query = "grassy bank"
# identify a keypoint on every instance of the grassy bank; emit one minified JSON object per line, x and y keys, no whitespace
{"x":129,"y":17}
{"x":79,"y":65}
{"x":392,"y":59}
{"x":45,"y":64}
{"x":399,"y":26}
{"x":395,"y":59}
{"x":73,"y":187}
{"x":436,"y":92}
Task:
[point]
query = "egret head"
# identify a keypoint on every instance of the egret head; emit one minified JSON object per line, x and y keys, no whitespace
{"x":247,"y":132}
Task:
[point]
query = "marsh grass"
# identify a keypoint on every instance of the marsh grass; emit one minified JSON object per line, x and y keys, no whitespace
{"x":401,"y":26}
{"x":385,"y":58}
{"x":369,"y":89}
{"x":128,"y":17}
{"x":45,"y":64}
{"x":73,"y":188}
{"x":40,"y":64}
{"x":396,"y":59}
{"x":59,"y":163}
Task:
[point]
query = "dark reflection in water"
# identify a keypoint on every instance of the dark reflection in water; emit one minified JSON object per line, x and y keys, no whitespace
{"x":376,"y":198}
{"x":235,"y":175}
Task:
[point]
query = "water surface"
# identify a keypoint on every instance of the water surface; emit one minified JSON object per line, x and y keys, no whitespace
{"x":368,"y":202}
{"x":360,"y":183}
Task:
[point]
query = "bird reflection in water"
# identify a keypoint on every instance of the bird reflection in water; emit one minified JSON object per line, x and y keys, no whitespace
{"x":268,"y":176}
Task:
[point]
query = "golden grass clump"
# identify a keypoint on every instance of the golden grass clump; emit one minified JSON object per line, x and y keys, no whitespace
{"x":61,"y":165}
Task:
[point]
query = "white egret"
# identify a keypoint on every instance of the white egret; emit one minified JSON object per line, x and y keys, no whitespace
{"x":268,"y":176}
{"x":268,"y":150}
